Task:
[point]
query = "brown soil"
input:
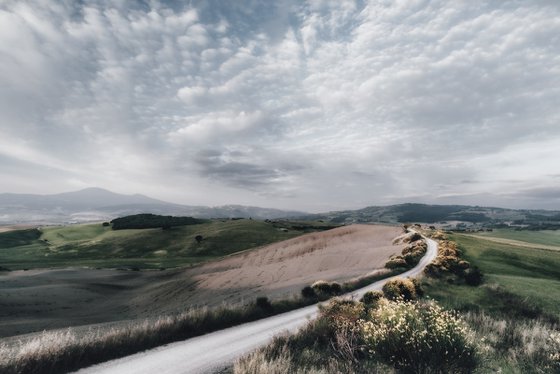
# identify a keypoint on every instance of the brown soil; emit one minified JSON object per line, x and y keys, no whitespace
{"x":49,"y":299}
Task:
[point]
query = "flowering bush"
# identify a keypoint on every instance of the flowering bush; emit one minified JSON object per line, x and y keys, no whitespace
{"x":416,"y":337}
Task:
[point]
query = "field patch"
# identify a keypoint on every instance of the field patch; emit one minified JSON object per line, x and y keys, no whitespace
{"x":515,"y":277}
{"x":98,"y":246}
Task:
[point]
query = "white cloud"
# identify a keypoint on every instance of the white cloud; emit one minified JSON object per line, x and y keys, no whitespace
{"x":320,"y":104}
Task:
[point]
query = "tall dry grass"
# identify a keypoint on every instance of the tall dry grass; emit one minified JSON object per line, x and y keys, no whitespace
{"x":517,"y":344}
{"x":64,"y":351}
{"x":352,"y":337}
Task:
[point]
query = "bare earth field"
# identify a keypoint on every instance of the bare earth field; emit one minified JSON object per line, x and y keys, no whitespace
{"x":49,"y":299}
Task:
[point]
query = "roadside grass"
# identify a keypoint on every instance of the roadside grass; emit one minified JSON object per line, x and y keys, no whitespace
{"x":515,"y":277}
{"x":65,"y":351}
{"x":355,"y":337}
{"x":515,"y":313}
{"x":93,"y":245}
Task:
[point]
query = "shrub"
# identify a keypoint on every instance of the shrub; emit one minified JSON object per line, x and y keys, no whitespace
{"x":263,"y":303}
{"x":371,"y":298}
{"x":417,"y":287}
{"x":341,"y":311}
{"x":419,"y":338}
{"x":308,"y":292}
{"x":413,"y":237}
{"x":325,"y":289}
{"x":321,"y":287}
{"x":433,"y":270}
{"x":473,"y":277}
{"x":396,"y":262}
{"x":336,"y":288}
{"x":411,"y":254}
{"x":400,"y":288}
{"x":105,"y":224}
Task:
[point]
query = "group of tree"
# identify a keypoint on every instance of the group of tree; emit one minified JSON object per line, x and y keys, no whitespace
{"x":150,"y":221}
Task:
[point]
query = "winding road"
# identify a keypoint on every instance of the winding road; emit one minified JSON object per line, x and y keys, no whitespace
{"x":215,"y":351}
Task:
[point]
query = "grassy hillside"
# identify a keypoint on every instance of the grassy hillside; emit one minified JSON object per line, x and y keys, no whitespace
{"x":544,"y":237}
{"x":98,"y":246}
{"x":518,"y":280}
{"x":448,"y":215}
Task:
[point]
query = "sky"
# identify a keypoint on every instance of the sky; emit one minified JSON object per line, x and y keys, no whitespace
{"x":308,"y":105}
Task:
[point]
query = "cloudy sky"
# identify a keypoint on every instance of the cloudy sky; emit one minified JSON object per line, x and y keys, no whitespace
{"x":313,"y":105}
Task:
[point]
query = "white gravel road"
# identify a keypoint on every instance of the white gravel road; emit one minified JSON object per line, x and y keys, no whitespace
{"x":215,"y":351}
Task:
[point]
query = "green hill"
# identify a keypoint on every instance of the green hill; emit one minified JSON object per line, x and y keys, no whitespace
{"x":95,"y":245}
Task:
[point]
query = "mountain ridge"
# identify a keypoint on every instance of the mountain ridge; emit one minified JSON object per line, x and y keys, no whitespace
{"x":97,"y":204}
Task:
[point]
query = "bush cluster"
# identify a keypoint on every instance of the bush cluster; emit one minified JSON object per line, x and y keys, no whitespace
{"x":147,"y":221}
{"x":418,"y":338}
{"x":371,"y":298}
{"x":322,"y":289}
{"x":402,"y":289}
{"x":409,"y":256}
{"x":449,"y":262}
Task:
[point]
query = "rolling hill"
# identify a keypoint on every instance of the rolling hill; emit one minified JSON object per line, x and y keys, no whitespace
{"x":449,"y":215}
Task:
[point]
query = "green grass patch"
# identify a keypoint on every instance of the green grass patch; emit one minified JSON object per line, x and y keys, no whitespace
{"x":95,"y":245}
{"x":545,"y":237}
{"x":518,"y":280}
{"x":19,"y":238}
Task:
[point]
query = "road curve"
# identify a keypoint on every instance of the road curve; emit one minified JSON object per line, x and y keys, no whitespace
{"x":215,"y":351}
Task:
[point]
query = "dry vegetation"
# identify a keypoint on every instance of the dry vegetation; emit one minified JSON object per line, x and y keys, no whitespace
{"x":411,"y":254}
{"x":366,"y":336}
{"x":449,"y":262}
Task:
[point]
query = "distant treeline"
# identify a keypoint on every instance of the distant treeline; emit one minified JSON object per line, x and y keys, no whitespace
{"x":436,"y":213}
{"x":151,"y":221}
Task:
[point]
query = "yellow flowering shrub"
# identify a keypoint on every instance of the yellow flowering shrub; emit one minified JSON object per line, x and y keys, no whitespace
{"x":418,"y":337}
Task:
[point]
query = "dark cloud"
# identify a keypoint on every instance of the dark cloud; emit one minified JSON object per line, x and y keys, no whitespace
{"x":227,"y":168}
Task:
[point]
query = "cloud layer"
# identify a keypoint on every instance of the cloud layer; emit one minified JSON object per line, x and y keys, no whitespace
{"x":310,"y":105}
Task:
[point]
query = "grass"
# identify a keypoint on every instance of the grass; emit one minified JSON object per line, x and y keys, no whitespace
{"x":515,"y":277}
{"x":60,"y":352}
{"x":94,"y":245}
{"x":515,"y":313}
{"x":544,"y":237}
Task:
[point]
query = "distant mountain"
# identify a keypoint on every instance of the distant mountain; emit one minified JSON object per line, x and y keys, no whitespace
{"x":447,"y":215}
{"x":96,"y":204}
{"x":89,"y":198}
